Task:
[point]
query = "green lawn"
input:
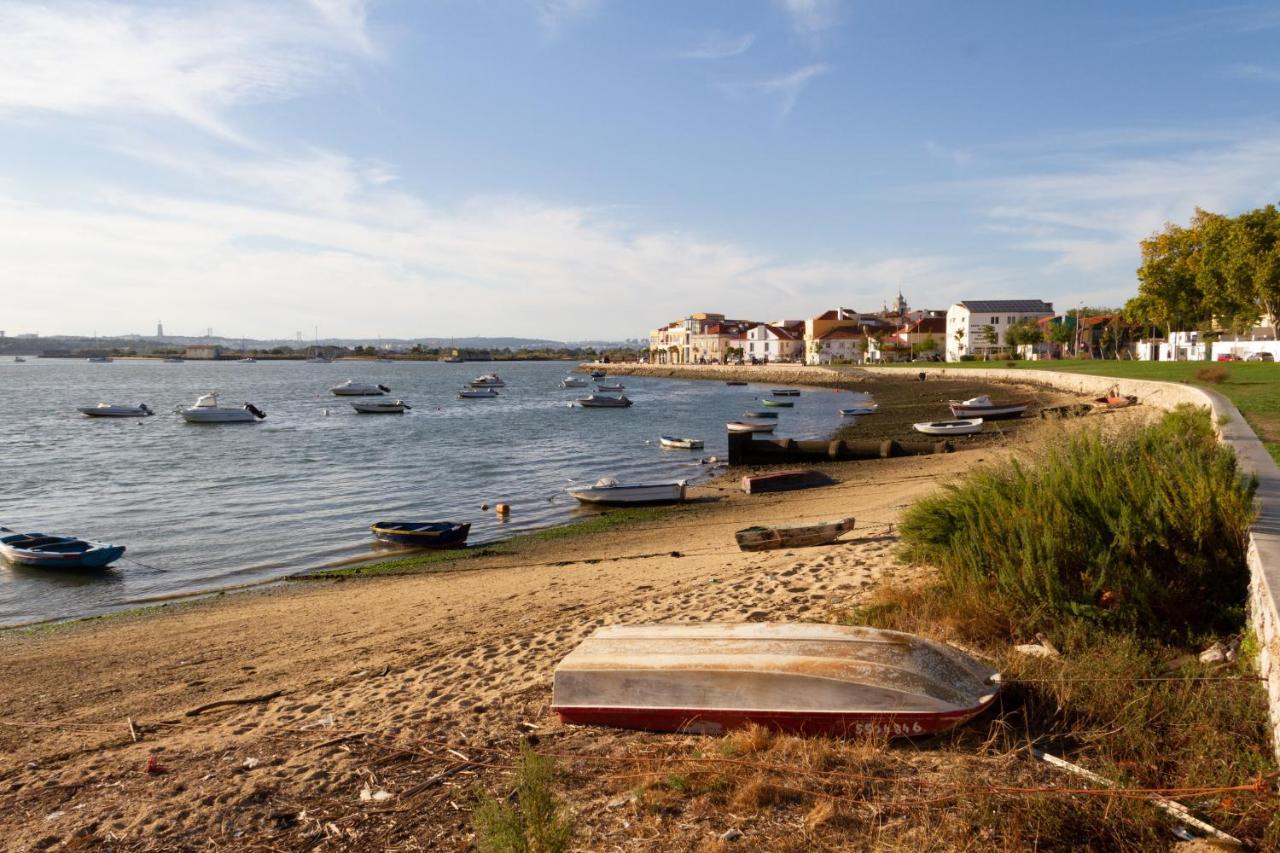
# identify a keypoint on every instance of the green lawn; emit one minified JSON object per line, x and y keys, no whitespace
{"x":1254,"y":387}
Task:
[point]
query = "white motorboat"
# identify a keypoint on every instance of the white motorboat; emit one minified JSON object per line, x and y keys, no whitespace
{"x":488,"y":380}
{"x":207,"y":411}
{"x":107,"y":410}
{"x":610,"y":492}
{"x":246,"y":361}
{"x":99,"y":359}
{"x":382,"y":407}
{"x":609,"y":387}
{"x":351,"y":388}
{"x":174,"y":359}
{"x":748,"y":426}
{"x":962,"y":426}
{"x":573,"y":382}
{"x":597,"y":401}
{"x":680,"y":443}
{"x":477,"y":394}
{"x":983,"y":406}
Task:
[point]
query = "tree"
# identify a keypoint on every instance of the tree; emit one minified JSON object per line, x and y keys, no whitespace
{"x":1062,"y":334}
{"x":1025,"y":333}
{"x":1109,"y":339}
{"x":959,"y":336}
{"x":1169,"y":283}
{"x":989,"y":336}
{"x":924,"y":345}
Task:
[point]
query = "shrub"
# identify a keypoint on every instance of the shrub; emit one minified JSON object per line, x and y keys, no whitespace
{"x":535,"y":824}
{"x":1216,"y":374}
{"x":1144,"y":530}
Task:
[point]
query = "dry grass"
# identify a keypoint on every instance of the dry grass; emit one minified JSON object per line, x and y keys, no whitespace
{"x":1215,"y":374}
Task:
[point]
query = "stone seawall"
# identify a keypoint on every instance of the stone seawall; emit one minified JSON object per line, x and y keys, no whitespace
{"x":1264,"y":536}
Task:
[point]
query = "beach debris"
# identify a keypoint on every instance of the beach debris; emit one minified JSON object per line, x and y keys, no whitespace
{"x":623,"y":800}
{"x":730,"y":835}
{"x":250,"y":763}
{"x":502,"y":510}
{"x":1219,"y":652}
{"x":51,"y":816}
{"x":133,"y":732}
{"x":484,"y":507}
{"x":1036,"y":650}
{"x":223,"y":703}
{"x":368,"y":795}
{"x":154,"y":767}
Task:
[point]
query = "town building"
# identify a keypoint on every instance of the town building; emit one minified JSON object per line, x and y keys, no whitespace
{"x":840,"y":344}
{"x":773,"y":342}
{"x":928,"y":333}
{"x":819,"y":346}
{"x":203,"y":352}
{"x":979,"y":327}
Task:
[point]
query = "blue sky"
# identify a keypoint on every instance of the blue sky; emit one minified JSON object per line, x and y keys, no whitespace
{"x":591,"y":168}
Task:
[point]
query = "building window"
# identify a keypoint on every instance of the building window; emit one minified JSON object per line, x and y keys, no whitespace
{"x":1010,"y":320}
{"x":995,"y":321}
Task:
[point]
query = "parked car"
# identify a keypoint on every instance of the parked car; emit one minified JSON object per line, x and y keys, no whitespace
{"x":1226,"y":356}
{"x":1261,"y":356}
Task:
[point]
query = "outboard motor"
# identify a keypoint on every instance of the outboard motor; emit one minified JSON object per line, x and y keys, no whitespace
{"x":255,"y":411}
{"x":384,"y":389}
{"x":145,"y":409}
{"x":406,"y":405}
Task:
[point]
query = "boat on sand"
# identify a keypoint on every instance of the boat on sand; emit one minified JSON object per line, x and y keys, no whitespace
{"x":609,"y":492}
{"x":766,"y":537}
{"x":837,"y":680}
{"x":982,"y":407}
{"x":784,"y":481}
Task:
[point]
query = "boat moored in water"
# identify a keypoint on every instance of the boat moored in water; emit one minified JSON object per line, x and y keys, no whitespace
{"x":382,"y":407}
{"x":99,"y":359}
{"x":680,"y":443}
{"x":771,"y":538}
{"x":573,"y":382}
{"x":748,"y":426}
{"x":421,"y":534}
{"x":609,"y":387}
{"x":107,"y":410}
{"x":809,"y":679}
{"x":604,"y":401}
{"x":785,"y":392}
{"x":609,"y":492}
{"x":982,"y":407}
{"x":778,"y":404}
{"x":207,"y":411}
{"x":43,"y":551}
{"x":478,"y":394}
{"x":351,"y":388}
{"x":962,"y":426}
{"x":735,"y":382}
{"x":488,"y":380}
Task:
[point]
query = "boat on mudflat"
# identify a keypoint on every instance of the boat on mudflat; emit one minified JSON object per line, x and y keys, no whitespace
{"x":765,"y":537}
{"x":808,"y":679}
{"x":107,"y":410}
{"x":784,"y":481}
{"x":604,"y":401}
{"x":735,"y":382}
{"x":421,"y":534}
{"x":43,"y":551}
{"x":982,"y":407}
{"x":1115,"y":401}
{"x":382,"y":407}
{"x":747,"y":426}
{"x":963,"y":426}
{"x":351,"y":388}
{"x":609,"y":492}
{"x":680,"y":443}
{"x":859,"y":411}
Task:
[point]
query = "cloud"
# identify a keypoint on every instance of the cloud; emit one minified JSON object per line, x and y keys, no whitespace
{"x":811,"y":17}
{"x":1254,"y":72}
{"x":719,"y":45}
{"x":784,"y":88}
{"x":192,"y":62}
{"x":958,"y":156}
{"x":555,"y":15}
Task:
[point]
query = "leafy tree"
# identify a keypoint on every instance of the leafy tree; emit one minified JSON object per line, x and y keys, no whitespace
{"x":1025,"y":333}
{"x":1062,"y":333}
{"x":924,"y":345}
{"x":1169,"y":284}
{"x":989,"y":336}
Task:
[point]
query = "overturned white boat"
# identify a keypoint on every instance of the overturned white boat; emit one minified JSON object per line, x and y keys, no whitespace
{"x":610,"y":492}
{"x":107,"y":410}
{"x":207,"y":411}
{"x":963,"y":426}
{"x":351,"y":388}
{"x":803,"y":678}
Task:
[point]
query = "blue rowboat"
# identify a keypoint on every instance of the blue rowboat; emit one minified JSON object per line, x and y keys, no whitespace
{"x":56,"y":552}
{"x":777,"y":404}
{"x":421,"y":534}
{"x":752,"y":414}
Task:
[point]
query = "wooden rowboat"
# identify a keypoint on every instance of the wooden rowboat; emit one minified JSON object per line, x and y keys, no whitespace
{"x":769,"y":538}
{"x":680,"y":443}
{"x":777,"y":404}
{"x":801,"y":678}
{"x":784,"y":481}
{"x":967,"y":426}
{"x":1115,"y":401}
{"x":421,"y":534}
{"x":42,"y":551}
{"x":982,"y":407}
{"x":751,"y":414}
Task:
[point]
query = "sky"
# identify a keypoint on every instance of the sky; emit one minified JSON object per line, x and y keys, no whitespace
{"x":590,"y":169}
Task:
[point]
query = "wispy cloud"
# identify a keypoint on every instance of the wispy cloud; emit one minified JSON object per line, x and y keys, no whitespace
{"x":958,"y":156}
{"x":810,"y":17}
{"x":719,"y":45}
{"x":784,"y":89}
{"x":188,"y":62}
{"x":555,"y":15}
{"x":1254,"y":72}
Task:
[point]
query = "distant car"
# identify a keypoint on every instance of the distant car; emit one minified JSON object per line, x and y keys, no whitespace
{"x":1226,"y":356}
{"x":1261,"y":356}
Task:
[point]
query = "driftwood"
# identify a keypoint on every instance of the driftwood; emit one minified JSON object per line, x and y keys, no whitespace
{"x":132,"y":731}
{"x":222,"y":703}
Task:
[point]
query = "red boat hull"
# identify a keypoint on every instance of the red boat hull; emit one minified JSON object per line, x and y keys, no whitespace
{"x":788,"y":722}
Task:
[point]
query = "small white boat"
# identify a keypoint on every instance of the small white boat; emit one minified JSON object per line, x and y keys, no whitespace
{"x":748,"y":426}
{"x":351,"y":388}
{"x":382,"y":407}
{"x":680,"y":443}
{"x":596,"y":401}
{"x":99,"y":359}
{"x":983,"y":407}
{"x":246,"y":361}
{"x":207,"y":411}
{"x":810,"y":679}
{"x":963,"y":426}
{"x":319,"y":359}
{"x":107,"y":410}
{"x":573,"y":382}
{"x":174,"y":359}
{"x":488,"y":380}
{"x":610,"y":492}
{"x":477,"y":394}
{"x":609,"y":387}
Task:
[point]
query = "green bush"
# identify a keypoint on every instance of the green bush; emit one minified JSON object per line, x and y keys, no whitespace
{"x":1144,"y":530}
{"x":535,"y":824}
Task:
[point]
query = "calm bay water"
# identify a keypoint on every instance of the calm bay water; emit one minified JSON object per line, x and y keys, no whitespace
{"x":209,"y":507}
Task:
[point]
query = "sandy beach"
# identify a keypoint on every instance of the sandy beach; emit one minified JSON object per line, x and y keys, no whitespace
{"x":360,"y":712}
